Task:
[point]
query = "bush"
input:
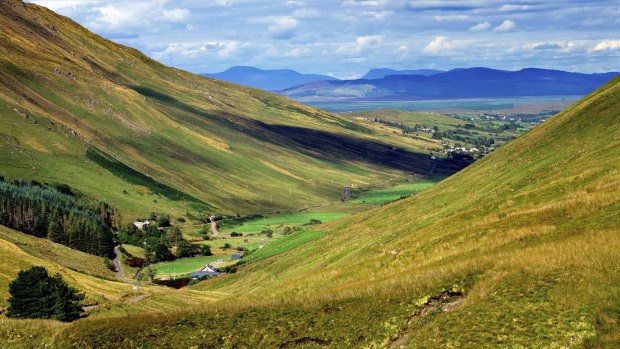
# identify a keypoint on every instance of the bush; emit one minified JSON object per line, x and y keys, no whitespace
{"x":206,"y":250}
{"x":109,"y":264}
{"x":135,"y":262}
{"x":36,"y":295}
{"x":235,"y":234}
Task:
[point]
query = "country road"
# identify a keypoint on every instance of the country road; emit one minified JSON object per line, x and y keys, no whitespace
{"x":117,"y":265}
{"x":119,"y":276}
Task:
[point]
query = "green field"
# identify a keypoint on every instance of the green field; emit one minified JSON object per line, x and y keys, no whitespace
{"x":385,"y":195}
{"x":278,"y":221}
{"x":184,"y":265}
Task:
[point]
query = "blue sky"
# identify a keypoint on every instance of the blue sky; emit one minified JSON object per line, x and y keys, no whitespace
{"x":346,"y":38}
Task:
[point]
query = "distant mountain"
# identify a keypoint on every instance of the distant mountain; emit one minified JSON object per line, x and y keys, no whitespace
{"x":457,"y":83}
{"x":383,"y":72}
{"x":270,"y":80}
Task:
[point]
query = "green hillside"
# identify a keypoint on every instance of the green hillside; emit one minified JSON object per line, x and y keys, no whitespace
{"x":113,"y":124}
{"x":519,"y":250}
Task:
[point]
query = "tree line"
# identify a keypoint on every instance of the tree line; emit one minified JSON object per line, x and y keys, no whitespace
{"x":53,"y":213}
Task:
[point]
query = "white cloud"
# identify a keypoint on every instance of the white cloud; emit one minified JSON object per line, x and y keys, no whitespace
{"x":176,"y":15}
{"x":56,"y":5}
{"x":307,"y":13}
{"x":223,"y":49}
{"x":366,"y":3}
{"x":607,"y":45}
{"x":283,"y":28}
{"x":506,"y":26}
{"x":451,"y":18}
{"x":362,"y":43}
{"x":512,"y":8}
{"x":442,"y":45}
{"x":480,"y":27}
{"x":404,"y":50}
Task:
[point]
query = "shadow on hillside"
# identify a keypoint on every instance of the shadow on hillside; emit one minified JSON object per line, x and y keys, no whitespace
{"x":322,"y":145}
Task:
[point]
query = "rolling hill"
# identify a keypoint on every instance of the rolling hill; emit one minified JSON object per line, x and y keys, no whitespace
{"x":270,"y":80}
{"x":114,"y":124}
{"x":454,"y":84}
{"x":520,"y":249}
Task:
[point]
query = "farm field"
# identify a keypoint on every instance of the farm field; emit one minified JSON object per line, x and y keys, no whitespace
{"x":182,"y":267}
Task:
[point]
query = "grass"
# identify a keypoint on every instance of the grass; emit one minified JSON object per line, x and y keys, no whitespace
{"x":183,"y":266}
{"x":278,"y":222}
{"x":529,"y":235}
{"x":164,"y":140}
{"x":520,"y":249}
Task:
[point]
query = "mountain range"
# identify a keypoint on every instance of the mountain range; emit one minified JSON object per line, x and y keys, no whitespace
{"x":269,"y":80}
{"x":454,"y":84}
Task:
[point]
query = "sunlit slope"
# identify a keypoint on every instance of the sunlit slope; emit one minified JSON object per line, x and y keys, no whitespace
{"x":558,"y":180}
{"x":521,"y":250}
{"x":114,"y":124}
{"x":534,"y":229}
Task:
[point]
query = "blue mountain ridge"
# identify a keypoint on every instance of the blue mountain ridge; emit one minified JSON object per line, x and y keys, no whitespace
{"x":458,"y":83}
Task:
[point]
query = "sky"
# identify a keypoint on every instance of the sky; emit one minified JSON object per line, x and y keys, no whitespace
{"x":346,"y":38}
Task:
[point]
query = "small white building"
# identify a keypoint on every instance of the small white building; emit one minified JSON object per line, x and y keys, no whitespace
{"x":141,"y":225}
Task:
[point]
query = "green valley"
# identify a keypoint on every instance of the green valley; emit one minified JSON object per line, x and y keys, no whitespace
{"x":349,"y":240}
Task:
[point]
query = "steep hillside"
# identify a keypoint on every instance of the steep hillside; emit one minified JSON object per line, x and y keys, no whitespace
{"x":519,"y":250}
{"x":113,"y":124}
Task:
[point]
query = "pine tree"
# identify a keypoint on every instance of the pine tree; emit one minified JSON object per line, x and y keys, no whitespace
{"x":34,"y":294}
{"x":56,"y":231}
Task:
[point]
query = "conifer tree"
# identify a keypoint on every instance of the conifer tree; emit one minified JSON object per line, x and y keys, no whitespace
{"x":34,"y":294}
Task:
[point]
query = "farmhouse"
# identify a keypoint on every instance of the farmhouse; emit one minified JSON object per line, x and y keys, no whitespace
{"x":199,"y":274}
{"x":141,"y":225}
{"x":237,"y":256}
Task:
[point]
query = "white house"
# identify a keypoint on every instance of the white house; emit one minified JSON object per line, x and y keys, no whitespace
{"x":141,"y":225}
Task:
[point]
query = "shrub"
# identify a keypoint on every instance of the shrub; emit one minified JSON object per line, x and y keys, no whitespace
{"x":109,"y":264}
{"x":135,"y":262}
{"x":235,"y":234}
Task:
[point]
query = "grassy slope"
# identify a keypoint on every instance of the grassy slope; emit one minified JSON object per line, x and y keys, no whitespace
{"x":167,"y":135}
{"x":529,"y":235}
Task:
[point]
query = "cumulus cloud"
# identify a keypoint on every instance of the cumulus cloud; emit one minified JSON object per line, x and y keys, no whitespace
{"x":506,"y":26}
{"x":442,"y":45}
{"x":547,"y":46}
{"x":283,"y":28}
{"x":451,"y":18}
{"x":307,"y":13}
{"x":176,"y":15}
{"x":362,"y":43}
{"x":480,"y":27}
{"x":607,"y":45}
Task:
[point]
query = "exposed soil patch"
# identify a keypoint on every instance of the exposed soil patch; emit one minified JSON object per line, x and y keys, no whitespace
{"x":443,"y":303}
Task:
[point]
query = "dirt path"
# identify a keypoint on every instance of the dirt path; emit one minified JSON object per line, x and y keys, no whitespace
{"x":117,"y":263}
{"x":214,"y":226}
